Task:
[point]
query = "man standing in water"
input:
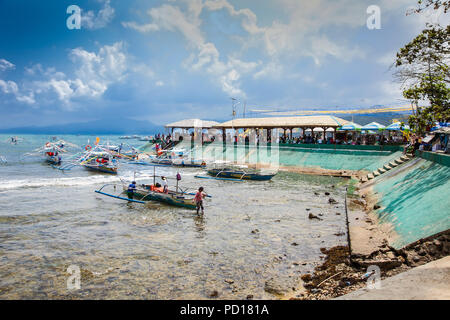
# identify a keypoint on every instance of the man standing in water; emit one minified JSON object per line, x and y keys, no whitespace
{"x":165,"y":185}
{"x":198,"y":199}
{"x":131,"y":189}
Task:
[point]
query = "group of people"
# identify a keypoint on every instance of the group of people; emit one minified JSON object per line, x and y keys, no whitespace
{"x":434,"y":143}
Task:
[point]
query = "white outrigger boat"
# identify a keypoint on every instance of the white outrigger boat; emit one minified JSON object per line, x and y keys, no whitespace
{"x":52,"y":151}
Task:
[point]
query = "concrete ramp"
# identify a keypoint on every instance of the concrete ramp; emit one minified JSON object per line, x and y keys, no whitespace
{"x":430,"y":281}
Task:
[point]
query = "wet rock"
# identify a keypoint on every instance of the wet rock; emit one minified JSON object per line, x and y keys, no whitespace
{"x":213,"y":294}
{"x":339,"y":234}
{"x":308,"y":209}
{"x":278,"y":220}
{"x":422,"y":252}
{"x":316,"y":193}
{"x":332,"y":201}
{"x":338,"y":214}
{"x":327,"y":193}
{"x":255,"y":231}
{"x":275,"y":286}
{"x":384,"y":264}
{"x":294,"y":244}
{"x":437,"y":243}
{"x":376,"y":207}
{"x":390,"y":255}
{"x":312,"y":216}
{"x":250,"y":297}
{"x":229,"y":281}
{"x":306,"y":277}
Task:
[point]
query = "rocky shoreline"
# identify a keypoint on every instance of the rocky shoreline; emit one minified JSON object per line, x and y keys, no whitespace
{"x":344,"y":271}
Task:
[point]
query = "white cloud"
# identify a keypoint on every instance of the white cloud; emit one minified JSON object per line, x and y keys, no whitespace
{"x":205,"y":54}
{"x":10,"y":87}
{"x":93,"y":21}
{"x":5,"y":65}
{"x":94,"y":73}
{"x":141,"y":28}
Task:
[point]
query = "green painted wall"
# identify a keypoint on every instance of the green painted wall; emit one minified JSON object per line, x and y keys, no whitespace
{"x":415,"y":199}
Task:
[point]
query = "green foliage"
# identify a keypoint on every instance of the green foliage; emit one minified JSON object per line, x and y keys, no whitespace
{"x":434,"y":4}
{"x":423,"y":72}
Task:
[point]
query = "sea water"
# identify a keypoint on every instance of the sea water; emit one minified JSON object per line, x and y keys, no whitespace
{"x":250,"y":232}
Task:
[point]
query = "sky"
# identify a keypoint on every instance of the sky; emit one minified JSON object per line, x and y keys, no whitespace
{"x":166,"y":60}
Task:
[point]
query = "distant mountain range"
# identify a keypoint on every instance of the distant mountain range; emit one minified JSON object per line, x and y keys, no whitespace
{"x":124,"y":126}
{"x":129,"y":126}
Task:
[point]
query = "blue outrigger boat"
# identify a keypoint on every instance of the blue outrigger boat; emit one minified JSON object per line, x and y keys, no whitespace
{"x":154,"y":192}
{"x":234,"y":172}
{"x":239,"y":174}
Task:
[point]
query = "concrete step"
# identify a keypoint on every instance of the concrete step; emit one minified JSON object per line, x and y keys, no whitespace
{"x":399,"y":161}
{"x":381,"y":170}
{"x":392,"y":164}
{"x":387,"y":167}
{"x":370,"y":176}
{"x":405,"y":158}
{"x":376,"y":173}
{"x":364,"y":179}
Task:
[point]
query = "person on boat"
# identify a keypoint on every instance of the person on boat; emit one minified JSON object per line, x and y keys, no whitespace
{"x":131,"y":189}
{"x":198,"y":199}
{"x":165,"y":185}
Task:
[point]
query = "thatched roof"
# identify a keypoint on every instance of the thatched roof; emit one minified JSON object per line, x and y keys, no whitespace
{"x":192,"y":123}
{"x":285,"y":122}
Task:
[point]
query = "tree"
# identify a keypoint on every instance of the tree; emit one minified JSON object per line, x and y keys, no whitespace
{"x":434,"y":4}
{"x":422,"y":69}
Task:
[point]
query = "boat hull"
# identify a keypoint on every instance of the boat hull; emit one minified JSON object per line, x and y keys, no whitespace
{"x":168,"y":198}
{"x":111,"y":170}
{"x":53,"y":159}
{"x":240,"y":175}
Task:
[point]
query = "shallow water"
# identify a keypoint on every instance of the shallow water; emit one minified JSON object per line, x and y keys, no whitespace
{"x":51,"y":219}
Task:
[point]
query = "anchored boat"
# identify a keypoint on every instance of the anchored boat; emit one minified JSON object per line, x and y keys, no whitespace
{"x":154,"y":192}
{"x":177,"y":158}
{"x":236,"y":172}
{"x":52,"y":151}
{"x":101,"y":162}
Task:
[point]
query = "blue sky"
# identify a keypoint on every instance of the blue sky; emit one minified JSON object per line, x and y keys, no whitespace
{"x":165,"y":60}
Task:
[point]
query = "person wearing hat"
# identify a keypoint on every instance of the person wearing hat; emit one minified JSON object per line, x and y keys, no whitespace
{"x":165,"y":185}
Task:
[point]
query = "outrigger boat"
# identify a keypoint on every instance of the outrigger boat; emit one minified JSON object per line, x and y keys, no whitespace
{"x":52,"y":151}
{"x":154,"y":192}
{"x":101,"y":162}
{"x":234,"y":172}
{"x":177,"y":158}
{"x":101,"y":158}
{"x":14,"y":140}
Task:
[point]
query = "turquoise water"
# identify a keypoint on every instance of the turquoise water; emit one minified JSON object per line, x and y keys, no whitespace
{"x":51,"y":219}
{"x":416,"y":201}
